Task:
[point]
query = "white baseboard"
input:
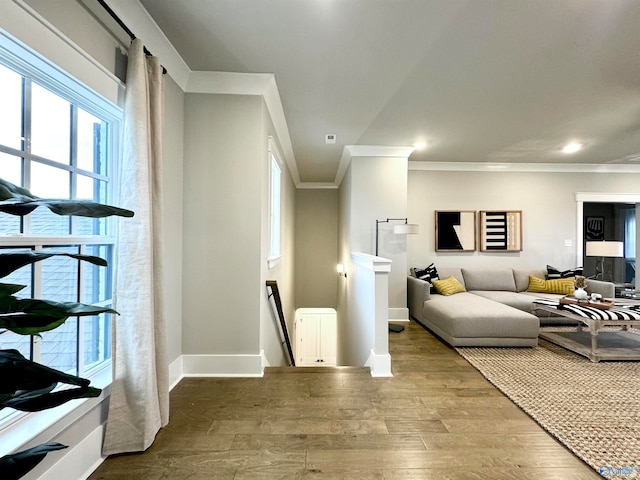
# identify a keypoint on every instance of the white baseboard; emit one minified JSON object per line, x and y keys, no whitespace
{"x":176,"y":372}
{"x":399,"y":314}
{"x":380,"y":365}
{"x":222,"y":365}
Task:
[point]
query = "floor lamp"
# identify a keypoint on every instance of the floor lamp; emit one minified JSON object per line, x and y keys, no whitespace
{"x":405,"y":228}
{"x":604,"y":249}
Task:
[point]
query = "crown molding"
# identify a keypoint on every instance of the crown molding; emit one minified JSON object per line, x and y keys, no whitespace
{"x":350,"y":151}
{"x":524,"y":167}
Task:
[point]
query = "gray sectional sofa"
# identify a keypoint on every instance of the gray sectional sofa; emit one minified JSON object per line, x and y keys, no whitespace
{"x":496,"y":310}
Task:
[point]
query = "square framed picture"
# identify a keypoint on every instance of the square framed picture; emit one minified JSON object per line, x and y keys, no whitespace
{"x":501,"y":230}
{"x":455,"y":230}
{"x":594,"y":228}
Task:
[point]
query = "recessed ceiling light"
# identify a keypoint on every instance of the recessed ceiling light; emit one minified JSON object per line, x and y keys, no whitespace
{"x":571,"y":147}
{"x":420,"y":145}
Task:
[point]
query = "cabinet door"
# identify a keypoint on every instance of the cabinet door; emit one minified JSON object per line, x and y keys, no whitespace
{"x":307,"y":341}
{"x":328,"y":340}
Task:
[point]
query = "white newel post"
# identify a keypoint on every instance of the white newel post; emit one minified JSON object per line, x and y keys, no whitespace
{"x":371,"y":309}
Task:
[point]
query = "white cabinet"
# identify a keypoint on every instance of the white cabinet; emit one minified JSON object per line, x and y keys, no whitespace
{"x":316,"y":337}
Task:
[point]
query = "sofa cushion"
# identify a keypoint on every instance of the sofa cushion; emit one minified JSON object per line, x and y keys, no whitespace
{"x":469,"y":315}
{"x":485,"y":279}
{"x":561,"y":285}
{"x":512,"y":299}
{"x":448,"y":286}
{"x":521,"y":277}
{"x":446,"y":272}
{"x":553,"y":272}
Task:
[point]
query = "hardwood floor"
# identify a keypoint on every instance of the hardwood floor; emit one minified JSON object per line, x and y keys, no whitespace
{"x":437,"y":418}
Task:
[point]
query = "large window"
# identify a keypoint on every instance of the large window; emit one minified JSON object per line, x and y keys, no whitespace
{"x":58,"y":139}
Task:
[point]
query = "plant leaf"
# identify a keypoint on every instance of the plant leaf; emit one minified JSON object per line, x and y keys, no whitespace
{"x":28,"y":386}
{"x":16,"y":465}
{"x":28,"y":316}
{"x":35,"y":402}
{"x":16,"y":200}
{"x":7,"y":289}
{"x":12,"y":261}
{"x":19,"y":373}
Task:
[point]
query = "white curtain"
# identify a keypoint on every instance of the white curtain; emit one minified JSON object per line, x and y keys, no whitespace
{"x":139,"y":404}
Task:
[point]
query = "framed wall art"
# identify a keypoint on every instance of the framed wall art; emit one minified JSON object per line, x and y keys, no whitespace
{"x":594,"y":228}
{"x":501,"y":230}
{"x":455,"y":230}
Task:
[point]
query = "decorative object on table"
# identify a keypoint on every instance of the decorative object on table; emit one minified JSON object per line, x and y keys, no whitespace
{"x":580,"y":283}
{"x":572,"y":300}
{"x":594,"y":228}
{"x":405,"y":228}
{"x":501,"y":231}
{"x":604,"y":249}
{"x":455,"y":230}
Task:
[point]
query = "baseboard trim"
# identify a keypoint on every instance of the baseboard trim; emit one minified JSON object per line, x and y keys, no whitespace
{"x":399,"y":314}
{"x":176,"y":372}
{"x":222,"y":365}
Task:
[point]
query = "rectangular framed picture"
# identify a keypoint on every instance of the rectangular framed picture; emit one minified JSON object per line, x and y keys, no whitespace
{"x":501,"y":230}
{"x":455,"y":230}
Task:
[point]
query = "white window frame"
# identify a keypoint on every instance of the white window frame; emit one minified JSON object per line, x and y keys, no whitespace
{"x":275,"y":205}
{"x":18,"y":428}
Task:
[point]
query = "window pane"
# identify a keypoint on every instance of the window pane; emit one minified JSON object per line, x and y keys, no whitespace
{"x":60,"y":276}
{"x":96,"y":339}
{"x":275,"y":208}
{"x":22,"y":276}
{"x":92,"y":145}
{"x":50,"y":125}
{"x":49,"y":182}
{"x":59,"y":347}
{"x":60,"y":284}
{"x":95,"y":190}
{"x":10,"y":170}
{"x":11,"y":111}
{"x":97,"y":280}
{"x":22,"y":343}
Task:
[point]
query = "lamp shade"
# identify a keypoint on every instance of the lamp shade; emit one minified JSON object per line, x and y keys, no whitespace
{"x":406,"y":228}
{"x":605,"y":249}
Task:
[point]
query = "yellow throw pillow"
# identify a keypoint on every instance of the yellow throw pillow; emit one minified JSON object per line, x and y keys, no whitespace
{"x":448,"y":286}
{"x":563,"y":286}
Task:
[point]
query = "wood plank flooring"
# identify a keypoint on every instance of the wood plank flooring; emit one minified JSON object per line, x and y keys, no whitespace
{"x":437,"y":418}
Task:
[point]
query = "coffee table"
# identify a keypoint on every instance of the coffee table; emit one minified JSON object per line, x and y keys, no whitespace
{"x":595,"y":343}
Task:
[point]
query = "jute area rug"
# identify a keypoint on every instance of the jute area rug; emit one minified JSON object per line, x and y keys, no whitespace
{"x":592,"y":408}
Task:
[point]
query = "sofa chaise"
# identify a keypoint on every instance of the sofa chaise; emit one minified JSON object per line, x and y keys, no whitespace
{"x":495,"y":309}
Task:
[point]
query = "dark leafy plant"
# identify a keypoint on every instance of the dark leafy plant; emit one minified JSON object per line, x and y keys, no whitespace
{"x":26,"y":385}
{"x":17,"y":465}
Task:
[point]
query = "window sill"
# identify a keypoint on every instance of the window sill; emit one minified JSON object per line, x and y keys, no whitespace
{"x":20,"y":429}
{"x":274,"y":261}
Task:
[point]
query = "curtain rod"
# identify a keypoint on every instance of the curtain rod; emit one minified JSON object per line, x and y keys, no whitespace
{"x":122,"y":25}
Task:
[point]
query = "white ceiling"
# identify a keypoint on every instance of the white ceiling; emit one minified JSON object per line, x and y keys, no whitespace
{"x":491,"y":81}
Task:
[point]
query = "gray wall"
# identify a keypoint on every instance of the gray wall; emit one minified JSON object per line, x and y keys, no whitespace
{"x":222,"y":223}
{"x":316,"y":245}
{"x":547,"y":201}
